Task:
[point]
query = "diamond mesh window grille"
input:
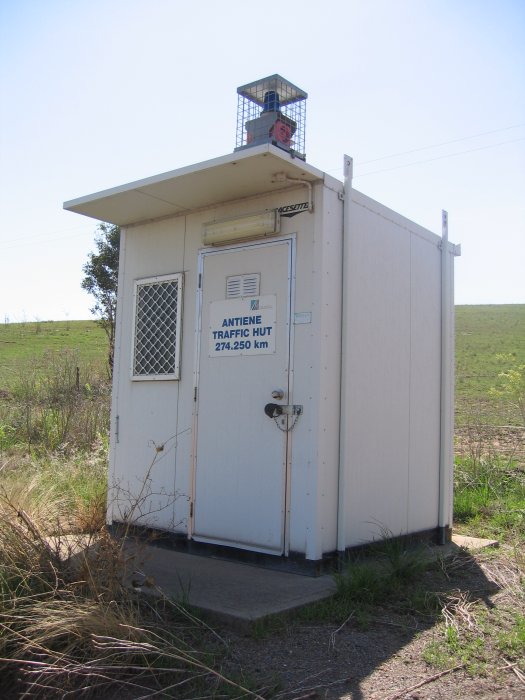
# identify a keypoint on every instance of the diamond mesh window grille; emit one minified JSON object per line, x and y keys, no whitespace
{"x":158,"y":303}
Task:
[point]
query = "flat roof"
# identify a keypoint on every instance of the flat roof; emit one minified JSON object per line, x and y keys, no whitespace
{"x":238,"y":175}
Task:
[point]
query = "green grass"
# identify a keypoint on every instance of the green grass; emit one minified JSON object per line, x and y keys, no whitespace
{"x":27,"y":344}
{"x":512,"y":642}
{"x":54,"y":386}
{"x":482,"y":333}
{"x":489,"y":498}
{"x":388,"y":572}
{"x":454,"y":650}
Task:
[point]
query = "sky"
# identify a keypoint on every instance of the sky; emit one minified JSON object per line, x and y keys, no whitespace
{"x":427,"y":96}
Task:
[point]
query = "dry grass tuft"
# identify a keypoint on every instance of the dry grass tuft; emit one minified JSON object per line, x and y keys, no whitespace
{"x":69,"y":625}
{"x":507,"y":572}
{"x":458,"y":611}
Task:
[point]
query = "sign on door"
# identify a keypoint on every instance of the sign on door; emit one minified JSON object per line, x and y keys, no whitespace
{"x":242,"y":326}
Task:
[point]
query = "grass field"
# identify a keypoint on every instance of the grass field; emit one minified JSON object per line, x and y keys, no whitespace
{"x":81,"y":630}
{"x":54,"y":386}
{"x":483,"y":334}
{"x":24,"y":344}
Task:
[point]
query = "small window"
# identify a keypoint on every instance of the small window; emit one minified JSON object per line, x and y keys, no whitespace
{"x":158,"y":307}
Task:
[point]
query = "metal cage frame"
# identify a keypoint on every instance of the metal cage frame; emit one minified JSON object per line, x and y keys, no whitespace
{"x":271,"y":110}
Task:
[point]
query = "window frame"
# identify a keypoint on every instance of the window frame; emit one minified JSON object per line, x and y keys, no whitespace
{"x":149,"y":281}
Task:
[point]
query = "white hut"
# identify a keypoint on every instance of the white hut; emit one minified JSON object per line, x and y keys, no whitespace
{"x":283,"y":378}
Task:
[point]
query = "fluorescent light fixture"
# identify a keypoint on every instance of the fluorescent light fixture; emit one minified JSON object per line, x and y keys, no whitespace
{"x":240,"y":228}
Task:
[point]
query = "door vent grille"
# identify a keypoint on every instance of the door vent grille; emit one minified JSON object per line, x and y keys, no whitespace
{"x":243,"y":286}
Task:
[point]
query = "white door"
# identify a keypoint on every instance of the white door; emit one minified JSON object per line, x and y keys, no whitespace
{"x":241,"y":455}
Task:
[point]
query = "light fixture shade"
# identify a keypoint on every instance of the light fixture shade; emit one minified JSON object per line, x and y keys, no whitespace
{"x":242,"y":228}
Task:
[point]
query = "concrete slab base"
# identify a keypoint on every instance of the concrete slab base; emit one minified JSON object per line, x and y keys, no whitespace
{"x":233,"y":592}
{"x":240,"y":593}
{"x":473,"y":543}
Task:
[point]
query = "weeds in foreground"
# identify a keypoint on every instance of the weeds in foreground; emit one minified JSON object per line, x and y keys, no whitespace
{"x":56,"y":403}
{"x":61,"y":494}
{"x":479,"y":634}
{"x":511,"y":384}
{"x":490,"y":496}
{"x":68,"y":622}
{"x":452,"y":651}
{"x":386,"y":573}
{"x":390,"y":564}
{"x":471,"y":609}
{"x":512,"y":641}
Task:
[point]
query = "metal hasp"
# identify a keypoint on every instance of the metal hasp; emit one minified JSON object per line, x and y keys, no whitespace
{"x":292,"y":409}
{"x":285,"y":416}
{"x":273,"y":410}
{"x":271,"y":110}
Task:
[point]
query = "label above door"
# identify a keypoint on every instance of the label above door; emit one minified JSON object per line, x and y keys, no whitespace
{"x":242,"y":326}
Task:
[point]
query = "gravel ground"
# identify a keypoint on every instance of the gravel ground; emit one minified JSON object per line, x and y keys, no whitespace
{"x":384,"y":659}
{"x":379,"y":664}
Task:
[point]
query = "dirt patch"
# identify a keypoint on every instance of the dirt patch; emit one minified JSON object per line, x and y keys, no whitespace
{"x":486,"y":441}
{"x":378,"y":664}
{"x":382,"y":653}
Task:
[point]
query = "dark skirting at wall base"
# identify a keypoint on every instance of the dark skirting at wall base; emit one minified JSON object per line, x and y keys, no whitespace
{"x":295,"y":562}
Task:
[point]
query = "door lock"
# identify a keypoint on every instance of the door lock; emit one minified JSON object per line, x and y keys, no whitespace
{"x":285,"y":417}
{"x":278,"y":394}
{"x":273,"y":410}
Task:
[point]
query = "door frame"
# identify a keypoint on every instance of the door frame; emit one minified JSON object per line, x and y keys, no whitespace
{"x":290,"y":240}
